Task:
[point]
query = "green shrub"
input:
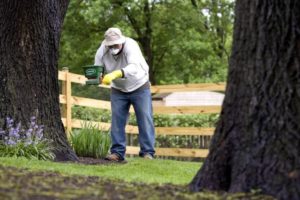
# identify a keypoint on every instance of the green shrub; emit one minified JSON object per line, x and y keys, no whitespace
{"x":86,"y":113}
{"x":18,"y":142}
{"x":90,"y":141}
{"x":188,"y":120}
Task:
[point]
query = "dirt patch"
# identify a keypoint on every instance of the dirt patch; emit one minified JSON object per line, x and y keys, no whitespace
{"x":97,"y":161}
{"x":94,"y":161}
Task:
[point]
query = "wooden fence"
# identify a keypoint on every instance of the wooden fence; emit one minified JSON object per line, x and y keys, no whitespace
{"x":68,"y":101}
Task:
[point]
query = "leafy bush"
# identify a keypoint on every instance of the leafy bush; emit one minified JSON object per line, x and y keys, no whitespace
{"x":189,"y":120}
{"x":18,"y":142}
{"x":90,"y":141}
{"x":86,"y":113}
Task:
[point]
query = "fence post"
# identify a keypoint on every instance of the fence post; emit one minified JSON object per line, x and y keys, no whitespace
{"x":67,"y":109}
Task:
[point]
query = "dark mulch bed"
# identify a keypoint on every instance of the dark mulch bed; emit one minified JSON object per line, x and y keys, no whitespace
{"x":96,"y":161}
{"x":93,"y":161}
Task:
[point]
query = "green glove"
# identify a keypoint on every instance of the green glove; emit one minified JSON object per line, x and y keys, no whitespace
{"x":108,"y":78}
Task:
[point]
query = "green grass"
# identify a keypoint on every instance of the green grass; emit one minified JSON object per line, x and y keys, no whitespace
{"x":136,"y":170}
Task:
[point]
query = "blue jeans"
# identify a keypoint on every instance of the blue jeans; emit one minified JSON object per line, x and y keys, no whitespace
{"x":142,"y":103}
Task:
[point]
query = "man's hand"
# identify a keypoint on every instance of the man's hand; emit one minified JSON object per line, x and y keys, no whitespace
{"x":108,"y":78}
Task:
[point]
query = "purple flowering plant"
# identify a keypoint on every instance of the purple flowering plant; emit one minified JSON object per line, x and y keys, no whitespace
{"x":15,"y":141}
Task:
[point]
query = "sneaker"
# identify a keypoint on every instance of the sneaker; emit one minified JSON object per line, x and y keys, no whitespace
{"x":148,"y":156}
{"x":114,"y":157}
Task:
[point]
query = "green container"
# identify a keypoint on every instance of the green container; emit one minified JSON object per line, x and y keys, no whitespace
{"x":93,"y":74}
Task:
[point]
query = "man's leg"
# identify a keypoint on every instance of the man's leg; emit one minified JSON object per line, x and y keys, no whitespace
{"x":120,"y":108}
{"x":142,"y":104}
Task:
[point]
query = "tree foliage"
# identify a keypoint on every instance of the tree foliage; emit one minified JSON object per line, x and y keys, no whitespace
{"x":183,"y":41}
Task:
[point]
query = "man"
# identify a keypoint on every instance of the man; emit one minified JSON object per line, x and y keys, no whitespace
{"x":127,"y":73}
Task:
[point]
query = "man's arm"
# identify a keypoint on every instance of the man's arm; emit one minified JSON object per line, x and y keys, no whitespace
{"x":99,"y":55}
{"x":134,"y":58}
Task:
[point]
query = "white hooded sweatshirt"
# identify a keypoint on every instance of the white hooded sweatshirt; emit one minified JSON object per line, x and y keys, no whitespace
{"x":130,"y":60}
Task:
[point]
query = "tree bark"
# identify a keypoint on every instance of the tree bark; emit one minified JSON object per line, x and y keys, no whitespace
{"x":257,"y":139}
{"x":29,"y":41}
{"x":144,"y":33}
{"x":146,"y":40}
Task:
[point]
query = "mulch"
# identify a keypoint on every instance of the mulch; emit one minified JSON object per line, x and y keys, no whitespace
{"x":95,"y":161}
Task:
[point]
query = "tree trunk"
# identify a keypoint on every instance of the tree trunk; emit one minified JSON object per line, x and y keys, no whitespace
{"x":144,"y":34}
{"x":146,"y":40}
{"x":29,"y":40}
{"x":257,"y":139}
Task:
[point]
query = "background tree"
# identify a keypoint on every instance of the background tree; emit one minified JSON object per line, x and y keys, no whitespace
{"x":29,"y":42}
{"x":256,"y":142}
{"x":179,"y":39}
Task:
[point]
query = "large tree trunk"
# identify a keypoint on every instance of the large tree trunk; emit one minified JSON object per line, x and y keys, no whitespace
{"x":29,"y":39}
{"x":144,"y":33}
{"x":146,"y":40}
{"x":257,"y":139}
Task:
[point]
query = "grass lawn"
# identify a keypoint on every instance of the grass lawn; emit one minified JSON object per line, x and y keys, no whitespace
{"x":136,"y":170}
{"x":138,"y":179}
